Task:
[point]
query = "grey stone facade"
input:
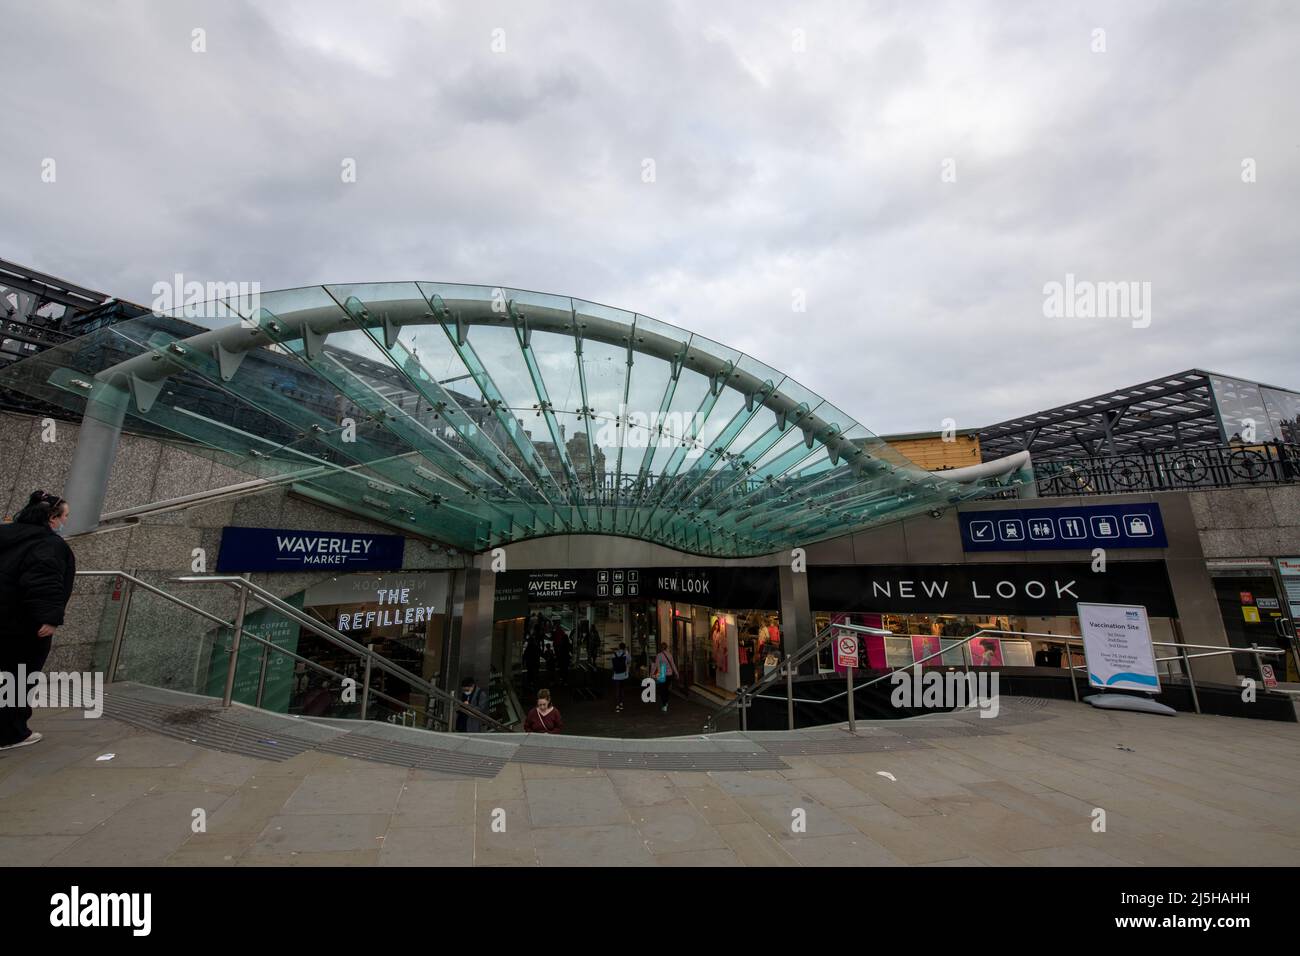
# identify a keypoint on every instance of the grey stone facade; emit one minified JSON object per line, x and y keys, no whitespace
{"x":1248,"y":522}
{"x":166,"y":643}
{"x":169,"y":646}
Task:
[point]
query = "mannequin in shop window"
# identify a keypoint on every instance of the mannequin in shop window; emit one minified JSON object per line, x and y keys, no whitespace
{"x":769,"y":647}
{"x":718,"y":640}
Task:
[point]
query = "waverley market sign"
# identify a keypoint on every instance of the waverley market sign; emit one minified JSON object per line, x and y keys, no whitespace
{"x":273,"y":549}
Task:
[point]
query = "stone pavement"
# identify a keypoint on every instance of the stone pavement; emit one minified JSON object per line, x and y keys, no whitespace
{"x":1176,"y":791}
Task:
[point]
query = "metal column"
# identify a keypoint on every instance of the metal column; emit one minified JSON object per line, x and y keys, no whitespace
{"x":119,"y":630}
{"x":234,"y":645}
{"x":92,"y":461}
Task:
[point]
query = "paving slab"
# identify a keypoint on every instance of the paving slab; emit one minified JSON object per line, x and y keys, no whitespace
{"x":675,"y":827}
{"x":1185,"y":792}
{"x":503,"y":835}
{"x":612,"y":845}
{"x":571,"y":803}
{"x":428,"y":846}
{"x":319,"y":833}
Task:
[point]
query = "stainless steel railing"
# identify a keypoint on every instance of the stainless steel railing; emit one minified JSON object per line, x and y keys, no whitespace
{"x":248,"y":590}
{"x":746,"y":695}
{"x":784,"y":670}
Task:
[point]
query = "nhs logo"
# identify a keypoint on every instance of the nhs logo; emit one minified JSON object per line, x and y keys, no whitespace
{"x":280,"y":549}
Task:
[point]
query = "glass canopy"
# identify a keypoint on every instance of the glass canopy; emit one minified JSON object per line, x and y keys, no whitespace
{"x":478,"y":416}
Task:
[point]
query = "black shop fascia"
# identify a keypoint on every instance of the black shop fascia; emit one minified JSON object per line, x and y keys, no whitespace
{"x":1046,"y":589}
{"x":713,"y":587}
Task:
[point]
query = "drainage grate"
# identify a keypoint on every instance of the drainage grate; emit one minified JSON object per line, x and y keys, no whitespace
{"x":217,"y":729}
{"x":252,"y":734}
{"x":761,"y":759}
{"x":204,"y":726}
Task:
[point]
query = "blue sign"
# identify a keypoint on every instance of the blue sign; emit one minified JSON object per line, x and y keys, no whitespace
{"x":275,"y":549}
{"x":1082,"y":527}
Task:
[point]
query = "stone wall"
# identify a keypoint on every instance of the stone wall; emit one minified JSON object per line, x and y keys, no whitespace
{"x":165,"y":643}
{"x":1248,"y":522}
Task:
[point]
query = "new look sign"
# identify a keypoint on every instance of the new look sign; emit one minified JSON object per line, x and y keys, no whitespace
{"x":275,"y":549}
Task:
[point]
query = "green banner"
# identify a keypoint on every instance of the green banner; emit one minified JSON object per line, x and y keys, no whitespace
{"x":281,"y":632}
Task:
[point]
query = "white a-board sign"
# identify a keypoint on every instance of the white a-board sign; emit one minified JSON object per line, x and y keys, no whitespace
{"x":1117,"y":645}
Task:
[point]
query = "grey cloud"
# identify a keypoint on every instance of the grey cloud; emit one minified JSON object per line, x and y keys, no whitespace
{"x":776,"y":170}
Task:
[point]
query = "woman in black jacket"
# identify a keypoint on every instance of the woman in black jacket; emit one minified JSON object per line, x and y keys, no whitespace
{"x":37,"y":572}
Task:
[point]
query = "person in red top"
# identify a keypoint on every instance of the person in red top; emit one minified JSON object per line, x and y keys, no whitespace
{"x":543,"y":719}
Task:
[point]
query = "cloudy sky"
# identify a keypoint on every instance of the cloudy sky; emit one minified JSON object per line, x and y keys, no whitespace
{"x":917,"y":172}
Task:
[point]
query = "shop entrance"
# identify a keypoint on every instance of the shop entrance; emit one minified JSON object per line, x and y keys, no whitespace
{"x":684,"y":652}
{"x":1253,"y":612}
{"x":569,"y":645}
{"x":536,"y":642}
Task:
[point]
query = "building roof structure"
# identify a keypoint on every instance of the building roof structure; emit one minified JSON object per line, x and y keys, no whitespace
{"x":478,"y":416}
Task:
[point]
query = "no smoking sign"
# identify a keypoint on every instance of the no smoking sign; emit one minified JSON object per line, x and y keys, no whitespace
{"x":846,"y":650}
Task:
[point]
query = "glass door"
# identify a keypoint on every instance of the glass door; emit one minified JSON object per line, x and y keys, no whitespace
{"x":683,"y":652}
{"x":1252,"y":611}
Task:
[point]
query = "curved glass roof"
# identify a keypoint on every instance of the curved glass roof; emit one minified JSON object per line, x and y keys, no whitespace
{"x":478,"y":416}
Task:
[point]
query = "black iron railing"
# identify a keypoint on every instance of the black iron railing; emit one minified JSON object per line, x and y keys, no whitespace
{"x":1171,"y":469}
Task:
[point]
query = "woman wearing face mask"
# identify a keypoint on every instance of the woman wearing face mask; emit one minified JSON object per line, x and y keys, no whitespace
{"x":37,"y":572}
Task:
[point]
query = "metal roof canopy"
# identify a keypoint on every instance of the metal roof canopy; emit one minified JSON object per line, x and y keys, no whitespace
{"x":1173,"y":411}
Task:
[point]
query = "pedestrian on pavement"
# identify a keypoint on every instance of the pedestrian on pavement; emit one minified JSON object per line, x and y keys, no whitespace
{"x":37,"y":573}
{"x":532,"y":659}
{"x":665,"y":672}
{"x":563,"y":652}
{"x":543,"y":719}
{"x":621,"y":666}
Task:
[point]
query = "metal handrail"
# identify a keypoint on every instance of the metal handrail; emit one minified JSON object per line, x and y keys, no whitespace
{"x":1170,"y":469}
{"x":220,"y":622}
{"x":339,"y":639}
{"x":961,"y":642}
{"x":322,"y":630}
{"x":785,"y":669}
{"x":269,"y":645}
{"x":1185,"y":658}
{"x":275,"y":604}
{"x":158,"y":591}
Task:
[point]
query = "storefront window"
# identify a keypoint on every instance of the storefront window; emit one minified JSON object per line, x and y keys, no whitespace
{"x":722,"y":650}
{"x":923,"y":635}
{"x":403,"y":616}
